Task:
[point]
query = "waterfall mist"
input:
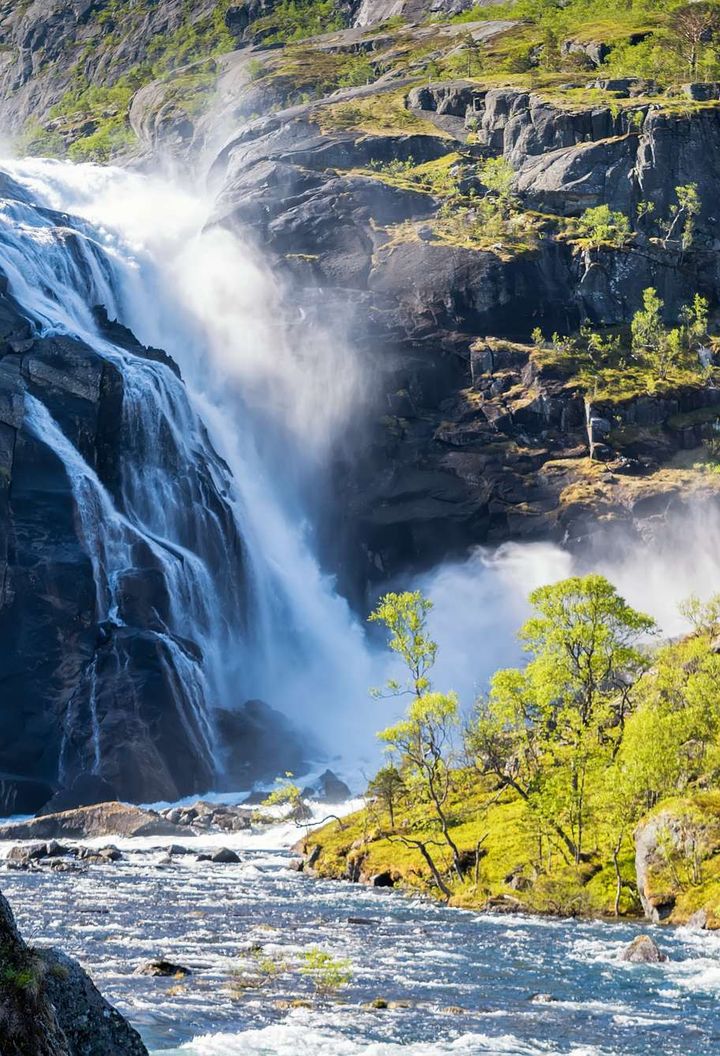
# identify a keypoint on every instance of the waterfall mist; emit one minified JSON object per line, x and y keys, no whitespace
{"x":275,"y":397}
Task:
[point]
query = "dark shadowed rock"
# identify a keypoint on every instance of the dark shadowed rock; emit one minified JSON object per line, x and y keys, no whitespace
{"x":62,"y":1013}
{"x":261,"y":742}
{"x":327,"y":789}
{"x":162,"y":968}
{"x":382,"y":880}
{"x":643,"y":950}
{"x":225,"y":856}
{"x":86,"y":791}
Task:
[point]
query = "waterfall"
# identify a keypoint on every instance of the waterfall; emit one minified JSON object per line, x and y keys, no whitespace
{"x":216,"y":471}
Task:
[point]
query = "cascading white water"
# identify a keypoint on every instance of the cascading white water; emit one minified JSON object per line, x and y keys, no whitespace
{"x":138,"y":247}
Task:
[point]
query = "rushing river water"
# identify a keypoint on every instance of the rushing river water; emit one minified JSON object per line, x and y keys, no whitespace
{"x":465,"y":983}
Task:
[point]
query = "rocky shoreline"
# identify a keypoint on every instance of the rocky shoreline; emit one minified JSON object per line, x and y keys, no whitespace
{"x":500,"y":879}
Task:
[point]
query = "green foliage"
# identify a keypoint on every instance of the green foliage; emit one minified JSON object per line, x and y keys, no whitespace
{"x":680,"y":228}
{"x":548,"y":730}
{"x":662,"y":348}
{"x":285,"y":794}
{"x":294,"y":20}
{"x":329,"y":974}
{"x":94,"y":118}
{"x":405,"y":617}
{"x":602,"y":226}
{"x":652,"y":357}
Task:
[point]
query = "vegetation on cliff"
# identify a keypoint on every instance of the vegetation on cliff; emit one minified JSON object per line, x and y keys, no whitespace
{"x":532,"y":800}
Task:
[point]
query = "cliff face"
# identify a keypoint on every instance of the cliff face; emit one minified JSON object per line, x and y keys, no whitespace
{"x":352,"y":149}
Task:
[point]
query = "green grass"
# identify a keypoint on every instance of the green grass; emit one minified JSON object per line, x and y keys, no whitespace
{"x":503,"y":828}
{"x":90,"y":122}
{"x":383,"y":114}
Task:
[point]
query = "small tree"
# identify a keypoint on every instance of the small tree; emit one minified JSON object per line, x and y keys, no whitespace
{"x":287,"y":794}
{"x":703,"y":616}
{"x":423,"y":740}
{"x":405,"y":616}
{"x":472,"y":50}
{"x":388,"y":787}
{"x":547,"y":728}
{"x":693,"y":26}
{"x":497,"y":174}
{"x":683,"y":215}
{"x":602,"y":226}
{"x":651,"y":342}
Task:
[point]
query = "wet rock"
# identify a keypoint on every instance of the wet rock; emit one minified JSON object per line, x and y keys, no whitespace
{"x":698,"y":921}
{"x":327,"y":789}
{"x":24,"y":855}
{"x":378,"y":1003}
{"x":61,"y":1013}
{"x":86,"y":791}
{"x":260,"y":743}
{"x":106,"y":819}
{"x":363,"y":921}
{"x":313,"y":856}
{"x":62,"y":865}
{"x":643,"y":950}
{"x":162,"y":968}
{"x":225,"y":856}
{"x":209,"y":817}
{"x":296,"y":865}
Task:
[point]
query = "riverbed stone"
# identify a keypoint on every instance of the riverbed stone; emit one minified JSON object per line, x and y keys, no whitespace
{"x":643,"y":950}
{"x":225,"y":856}
{"x":162,"y":969}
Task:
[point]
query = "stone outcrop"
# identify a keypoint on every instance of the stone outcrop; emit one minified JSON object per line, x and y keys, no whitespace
{"x":675,"y":862}
{"x":643,"y":950}
{"x":50,"y":1007}
{"x":106,"y":819}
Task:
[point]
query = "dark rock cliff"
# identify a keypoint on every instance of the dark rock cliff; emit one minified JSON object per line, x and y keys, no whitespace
{"x":53,"y":648}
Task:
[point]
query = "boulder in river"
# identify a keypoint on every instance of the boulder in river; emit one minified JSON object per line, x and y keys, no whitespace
{"x":105,"y":819}
{"x":225,"y":856}
{"x":643,"y":950}
{"x":162,"y":968}
{"x":50,"y":1007}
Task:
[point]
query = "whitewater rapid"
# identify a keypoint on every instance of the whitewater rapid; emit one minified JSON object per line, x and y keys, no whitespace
{"x":458,"y":983}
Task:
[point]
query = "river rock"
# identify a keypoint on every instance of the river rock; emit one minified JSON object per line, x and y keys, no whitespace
{"x":225,"y":856}
{"x":162,"y":968}
{"x":62,"y":1013}
{"x":327,"y":789}
{"x":107,"y":819}
{"x":643,"y":950}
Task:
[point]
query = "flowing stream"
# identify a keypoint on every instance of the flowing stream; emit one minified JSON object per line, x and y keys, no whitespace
{"x":458,"y":983}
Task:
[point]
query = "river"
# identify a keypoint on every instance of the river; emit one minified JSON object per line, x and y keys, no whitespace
{"x":464,"y":983}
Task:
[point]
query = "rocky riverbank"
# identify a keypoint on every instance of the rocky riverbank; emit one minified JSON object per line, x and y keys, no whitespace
{"x":49,"y":1005}
{"x":673,"y":876}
